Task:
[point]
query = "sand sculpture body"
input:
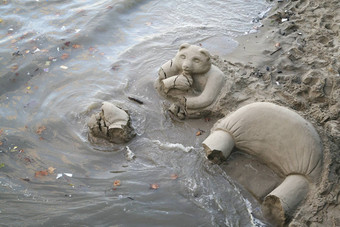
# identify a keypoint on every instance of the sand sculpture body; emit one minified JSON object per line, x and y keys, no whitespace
{"x":112,"y":124}
{"x":190,"y":81}
{"x":280,"y":138}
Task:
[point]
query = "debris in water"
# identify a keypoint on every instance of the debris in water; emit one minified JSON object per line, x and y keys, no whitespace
{"x":63,"y":67}
{"x":59,"y":175}
{"x":41,"y":173}
{"x":174,"y":176}
{"x":76,"y":46}
{"x":14,"y":68}
{"x":115,"y":67}
{"x":117,"y":171}
{"x":116,"y":183}
{"x":36,"y":50}
{"x":17,"y":53}
{"x":154,"y":186}
{"x":64,"y":56}
{"x":136,"y":100}
{"x":2,"y":165}
{"x":51,"y":170}
{"x":200,"y":132}
{"x":68,"y":174}
{"x":25,"y":179}
{"x":14,"y":149}
{"x":40,"y":129}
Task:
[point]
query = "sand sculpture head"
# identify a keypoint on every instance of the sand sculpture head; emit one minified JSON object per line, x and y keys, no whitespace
{"x":112,"y":124}
{"x":192,"y":59}
{"x":281,"y":139}
{"x":190,"y":81}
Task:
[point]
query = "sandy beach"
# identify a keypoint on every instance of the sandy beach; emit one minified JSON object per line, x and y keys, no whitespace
{"x":293,"y":61}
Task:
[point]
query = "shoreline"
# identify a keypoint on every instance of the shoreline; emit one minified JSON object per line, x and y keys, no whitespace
{"x":293,"y":61}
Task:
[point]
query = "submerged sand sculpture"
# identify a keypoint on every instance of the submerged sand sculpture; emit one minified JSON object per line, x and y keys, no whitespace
{"x":281,"y":139}
{"x":111,"y":123}
{"x":190,"y":82}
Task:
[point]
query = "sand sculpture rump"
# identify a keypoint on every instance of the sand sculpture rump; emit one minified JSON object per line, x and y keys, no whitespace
{"x":190,"y":82}
{"x":112,"y":124}
{"x":281,"y":139}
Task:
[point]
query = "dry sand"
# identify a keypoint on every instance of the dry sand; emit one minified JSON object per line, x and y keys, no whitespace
{"x":294,"y":61}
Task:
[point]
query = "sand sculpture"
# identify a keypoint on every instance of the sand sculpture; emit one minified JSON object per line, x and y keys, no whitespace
{"x":190,"y":82}
{"x":281,"y":139}
{"x":111,"y":123}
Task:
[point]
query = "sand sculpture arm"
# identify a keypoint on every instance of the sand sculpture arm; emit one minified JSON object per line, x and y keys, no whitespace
{"x":211,"y":91}
{"x":168,"y":70}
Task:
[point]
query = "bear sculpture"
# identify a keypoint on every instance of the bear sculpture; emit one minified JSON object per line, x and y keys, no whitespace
{"x":282,"y":140}
{"x":191,"y":82}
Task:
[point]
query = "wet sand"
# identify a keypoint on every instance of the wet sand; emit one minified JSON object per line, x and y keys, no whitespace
{"x":293,"y":61}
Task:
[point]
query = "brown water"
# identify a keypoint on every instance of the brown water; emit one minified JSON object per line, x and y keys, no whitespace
{"x":61,"y":59}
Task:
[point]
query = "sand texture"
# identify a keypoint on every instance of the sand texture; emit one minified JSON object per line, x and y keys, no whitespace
{"x":293,"y":61}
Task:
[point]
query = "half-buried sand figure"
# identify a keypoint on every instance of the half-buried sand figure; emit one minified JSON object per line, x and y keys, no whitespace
{"x":111,"y":123}
{"x":281,"y":139}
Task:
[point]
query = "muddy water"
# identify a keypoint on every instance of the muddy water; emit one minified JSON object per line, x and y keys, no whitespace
{"x":61,"y":59}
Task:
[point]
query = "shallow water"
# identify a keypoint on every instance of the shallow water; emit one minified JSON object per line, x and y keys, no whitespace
{"x":61,"y":59}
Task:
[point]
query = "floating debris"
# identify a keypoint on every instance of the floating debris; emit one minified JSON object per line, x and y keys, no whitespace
{"x":135,"y":100}
{"x":154,"y":186}
{"x":173,"y":176}
{"x":116,"y":183}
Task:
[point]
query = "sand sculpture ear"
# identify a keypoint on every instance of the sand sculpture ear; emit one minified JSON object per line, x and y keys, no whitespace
{"x":183,"y":46}
{"x":205,"y":52}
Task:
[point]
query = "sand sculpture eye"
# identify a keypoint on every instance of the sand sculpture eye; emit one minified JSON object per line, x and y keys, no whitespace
{"x":183,"y":56}
{"x":196,"y":60}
